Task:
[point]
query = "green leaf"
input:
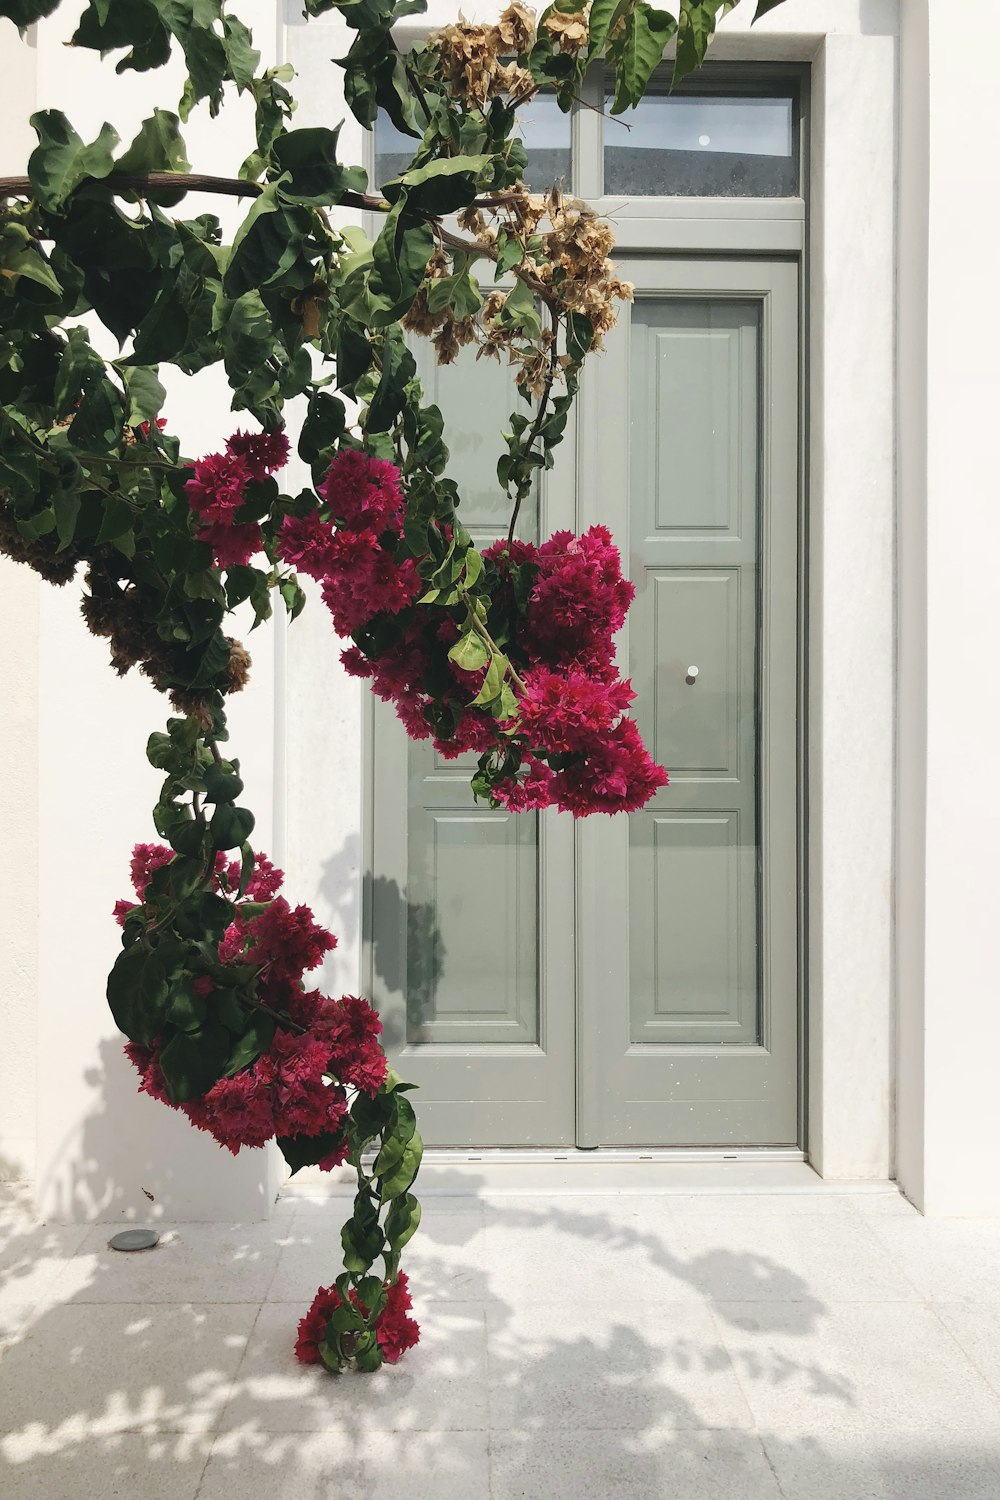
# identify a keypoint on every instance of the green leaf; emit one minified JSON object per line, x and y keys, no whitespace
{"x":193,"y":1060}
{"x":493,"y":681}
{"x":401,"y":1222}
{"x":125,"y":996}
{"x":61,"y":161}
{"x":20,"y":257}
{"x":186,"y":1009}
{"x":256,"y":1039}
{"x":369,"y":1116}
{"x":637,"y":51}
{"x":519,"y":311}
{"x":116,"y":519}
{"x":158,"y":147}
{"x":145,"y":394}
{"x":307,"y":1150}
{"x":603,"y":16}
{"x":469,"y":653}
{"x":246,"y":869}
{"x":362,"y":1244}
{"x":66,"y":504}
{"x":25,"y":13}
{"x":308,"y":161}
{"x":221,"y":785}
{"x":369,"y":1358}
{"x":230,"y":826}
{"x":266,"y":245}
{"x":241,"y":55}
{"x":399,"y":259}
{"x":390,"y":398}
{"x":324,"y":423}
{"x":354,"y":354}
{"x":441,"y":186}
{"x":246,"y":336}
{"x":187,"y":836}
{"x":695,"y":29}
{"x":399,"y":1178}
{"x":763,"y":6}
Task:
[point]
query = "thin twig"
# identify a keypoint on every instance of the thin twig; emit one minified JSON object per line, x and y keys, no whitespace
{"x":491,"y":644}
{"x":536,"y":425}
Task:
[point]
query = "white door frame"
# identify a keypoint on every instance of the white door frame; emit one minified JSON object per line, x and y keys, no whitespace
{"x":850,"y":466}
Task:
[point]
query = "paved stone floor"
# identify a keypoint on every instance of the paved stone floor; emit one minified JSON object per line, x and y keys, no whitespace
{"x":715,"y":1345}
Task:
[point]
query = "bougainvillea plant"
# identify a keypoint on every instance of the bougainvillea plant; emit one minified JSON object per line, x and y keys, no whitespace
{"x":506,"y":651}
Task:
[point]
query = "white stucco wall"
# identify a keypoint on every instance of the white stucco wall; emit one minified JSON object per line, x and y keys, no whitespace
{"x":949,"y":823}
{"x":78,"y":793}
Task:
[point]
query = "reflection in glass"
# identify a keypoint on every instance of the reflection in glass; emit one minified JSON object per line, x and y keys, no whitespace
{"x":541,"y":124}
{"x":545,"y":131}
{"x":708,"y":145}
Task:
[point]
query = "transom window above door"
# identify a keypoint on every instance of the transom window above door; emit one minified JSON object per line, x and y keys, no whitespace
{"x":730,"y":135}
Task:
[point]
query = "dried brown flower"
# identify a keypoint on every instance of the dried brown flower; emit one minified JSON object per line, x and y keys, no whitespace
{"x":570,"y":31}
{"x":238,"y":670}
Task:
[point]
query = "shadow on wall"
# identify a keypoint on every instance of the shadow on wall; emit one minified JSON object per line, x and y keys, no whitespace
{"x":403,"y":937}
{"x":408,"y":954}
{"x":174,"y":1370}
{"x":130,"y":1158}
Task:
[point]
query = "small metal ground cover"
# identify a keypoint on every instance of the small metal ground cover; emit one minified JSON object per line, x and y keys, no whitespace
{"x":134,"y":1239}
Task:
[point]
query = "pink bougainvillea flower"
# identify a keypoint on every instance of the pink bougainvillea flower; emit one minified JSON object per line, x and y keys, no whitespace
{"x":363,"y":493}
{"x":263,"y":452}
{"x":218,"y":485}
{"x":394,"y":1329}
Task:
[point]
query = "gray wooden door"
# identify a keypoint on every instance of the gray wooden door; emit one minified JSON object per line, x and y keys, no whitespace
{"x":688,"y":981}
{"x":637,"y":983}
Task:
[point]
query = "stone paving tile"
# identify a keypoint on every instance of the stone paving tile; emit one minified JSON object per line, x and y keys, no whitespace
{"x":855,"y":1366}
{"x":191,"y":1263}
{"x":443,"y":1260}
{"x":885,"y":1465}
{"x":566,"y":1366}
{"x":783,"y":1258}
{"x":108,"y":1467}
{"x":441,"y":1384}
{"x":609,"y":1464}
{"x":947,"y":1260}
{"x":36,"y":1262}
{"x":86,"y":1371}
{"x":424,"y":1465}
{"x":976,"y":1328}
{"x":589,"y":1254}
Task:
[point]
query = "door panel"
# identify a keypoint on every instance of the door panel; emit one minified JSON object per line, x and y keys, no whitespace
{"x":688,"y":990}
{"x":473,"y":906}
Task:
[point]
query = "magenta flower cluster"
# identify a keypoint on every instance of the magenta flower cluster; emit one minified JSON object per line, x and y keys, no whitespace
{"x":321,"y":1047}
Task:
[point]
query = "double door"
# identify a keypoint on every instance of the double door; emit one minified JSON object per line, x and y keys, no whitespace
{"x":625,"y":981}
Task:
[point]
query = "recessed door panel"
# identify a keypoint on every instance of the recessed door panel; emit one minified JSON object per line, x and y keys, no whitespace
{"x":689,"y":995}
{"x":478,"y":1004}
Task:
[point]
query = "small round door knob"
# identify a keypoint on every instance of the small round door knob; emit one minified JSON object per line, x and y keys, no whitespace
{"x":691,"y":675}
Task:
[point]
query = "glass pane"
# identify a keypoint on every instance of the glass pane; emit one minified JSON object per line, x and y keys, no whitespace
{"x":694,"y":541}
{"x":545,"y":131}
{"x":542,"y":126}
{"x":708,"y":146}
{"x":472,"y":873}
